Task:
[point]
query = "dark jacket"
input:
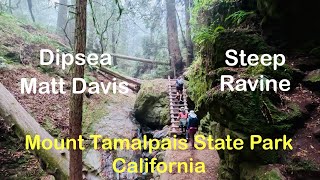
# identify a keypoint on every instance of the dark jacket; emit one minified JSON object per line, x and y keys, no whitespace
{"x":193,"y":122}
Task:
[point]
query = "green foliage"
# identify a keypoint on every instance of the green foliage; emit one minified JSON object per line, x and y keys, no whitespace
{"x":303,"y":165}
{"x":238,"y":17}
{"x":207,"y":34}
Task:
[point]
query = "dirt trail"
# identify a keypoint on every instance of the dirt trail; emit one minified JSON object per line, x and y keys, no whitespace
{"x":209,"y":157}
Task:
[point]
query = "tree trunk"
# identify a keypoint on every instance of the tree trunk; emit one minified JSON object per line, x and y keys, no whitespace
{"x":189,"y":43}
{"x":71,"y":22}
{"x":76,"y":101}
{"x":30,"y":10}
{"x":114,"y":45}
{"x":10,"y":6}
{"x":62,"y":17}
{"x":23,"y":124}
{"x":173,"y":41}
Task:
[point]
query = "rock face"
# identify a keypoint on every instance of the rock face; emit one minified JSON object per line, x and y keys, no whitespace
{"x":241,"y":114}
{"x":152,"y":105}
{"x":290,"y":21}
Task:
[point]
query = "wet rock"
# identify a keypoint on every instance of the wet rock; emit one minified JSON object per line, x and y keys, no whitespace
{"x":162,"y":134}
{"x":152,"y":104}
{"x":93,"y":160}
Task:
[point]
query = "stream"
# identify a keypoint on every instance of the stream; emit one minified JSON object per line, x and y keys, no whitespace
{"x":118,"y":123}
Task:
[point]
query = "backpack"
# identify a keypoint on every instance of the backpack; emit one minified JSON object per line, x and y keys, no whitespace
{"x":179,"y":83}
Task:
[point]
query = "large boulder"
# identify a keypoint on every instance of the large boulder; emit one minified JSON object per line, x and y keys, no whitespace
{"x":152,"y":104}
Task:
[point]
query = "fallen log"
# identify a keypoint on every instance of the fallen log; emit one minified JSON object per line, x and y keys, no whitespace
{"x":138,"y":59}
{"x":133,"y":87}
{"x":136,"y":84}
{"x":56,"y":162}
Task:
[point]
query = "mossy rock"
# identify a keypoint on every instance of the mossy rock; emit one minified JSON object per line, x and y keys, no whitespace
{"x":283,"y":72}
{"x":249,"y":171}
{"x":213,"y":51}
{"x":312,"y":80}
{"x":152,"y":104}
{"x":252,"y":112}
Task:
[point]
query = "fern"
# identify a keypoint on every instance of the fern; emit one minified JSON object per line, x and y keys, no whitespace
{"x":238,"y":17}
{"x":208,"y":34}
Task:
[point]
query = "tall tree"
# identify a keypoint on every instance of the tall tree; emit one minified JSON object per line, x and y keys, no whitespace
{"x":76,"y":101}
{"x":173,"y":41}
{"x":62,"y":17}
{"x":189,"y":43}
{"x":30,"y":10}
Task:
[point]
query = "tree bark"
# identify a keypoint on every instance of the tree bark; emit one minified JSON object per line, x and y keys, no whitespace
{"x":23,"y":124}
{"x":30,"y":10}
{"x":62,"y":17}
{"x":189,"y":43}
{"x":173,"y":40}
{"x":114,"y":45}
{"x":76,"y":101}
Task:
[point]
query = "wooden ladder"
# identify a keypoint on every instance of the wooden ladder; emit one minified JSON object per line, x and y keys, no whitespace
{"x":175,"y":106}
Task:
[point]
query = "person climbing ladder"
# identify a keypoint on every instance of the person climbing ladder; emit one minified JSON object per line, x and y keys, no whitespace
{"x":179,"y":87}
{"x":192,"y":126}
{"x":182,"y":117}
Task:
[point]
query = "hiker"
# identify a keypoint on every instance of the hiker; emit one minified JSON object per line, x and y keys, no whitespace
{"x":192,"y":126}
{"x":182,"y":117}
{"x":179,"y":87}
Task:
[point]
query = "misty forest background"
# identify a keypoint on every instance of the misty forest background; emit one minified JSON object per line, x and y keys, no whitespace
{"x":136,"y":28}
{"x":187,"y":37}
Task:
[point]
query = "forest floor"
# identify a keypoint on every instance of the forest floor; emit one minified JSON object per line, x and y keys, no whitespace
{"x":51,"y":111}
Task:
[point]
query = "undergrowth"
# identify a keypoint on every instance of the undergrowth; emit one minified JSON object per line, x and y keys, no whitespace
{"x":238,"y":17}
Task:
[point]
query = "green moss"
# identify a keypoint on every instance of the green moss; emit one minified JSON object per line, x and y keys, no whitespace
{"x":198,"y":83}
{"x":283,"y":72}
{"x":152,"y":104}
{"x":51,"y":128}
{"x":303,"y":165}
{"x":256,"y":172}
{"x":92,"y":114}
{"x":313,"y":76}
